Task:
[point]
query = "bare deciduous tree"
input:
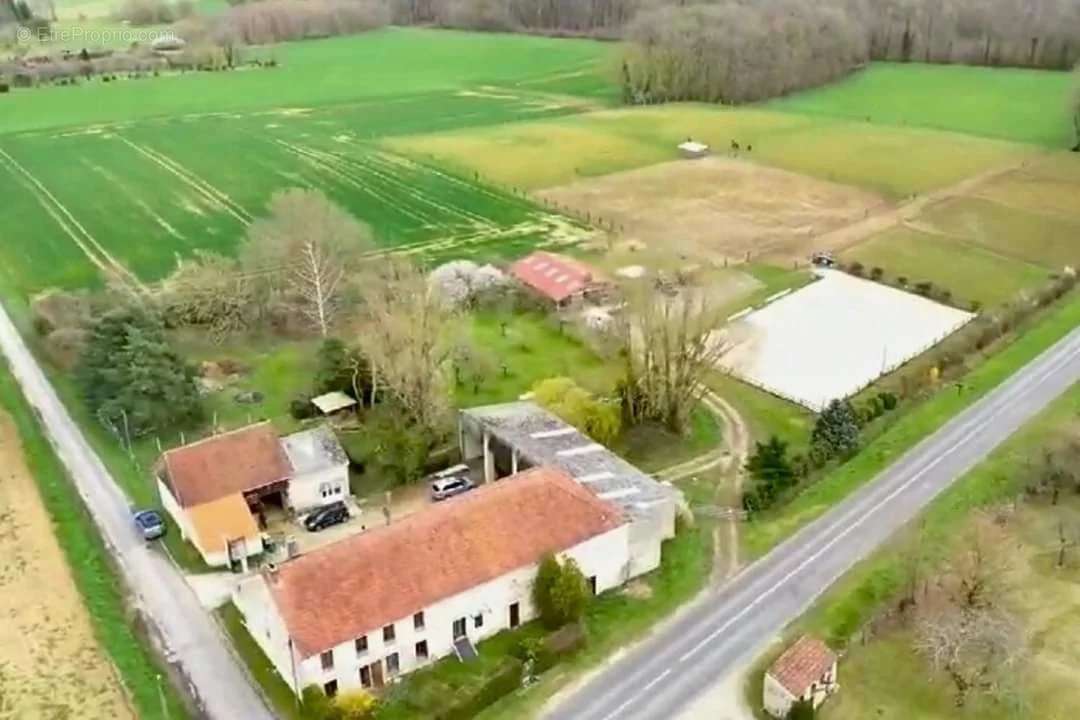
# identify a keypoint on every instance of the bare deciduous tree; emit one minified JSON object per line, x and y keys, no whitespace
{"x":979,"y":649}
{"x":304,"y":251}
{"x":210,"y":291}
{"x":408,"y":337}
{"x":670,"y":342}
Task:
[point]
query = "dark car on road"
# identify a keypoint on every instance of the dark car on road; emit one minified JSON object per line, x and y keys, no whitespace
{"x":326,"y":516}
{"x":149,"y":524}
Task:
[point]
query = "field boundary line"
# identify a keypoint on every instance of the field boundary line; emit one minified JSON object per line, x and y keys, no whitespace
{"x":319,"y":164}
{"x":89,"y":246}
{"x":192,"y":180}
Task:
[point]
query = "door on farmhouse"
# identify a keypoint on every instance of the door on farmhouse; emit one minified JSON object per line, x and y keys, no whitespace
{"x":377,"y":677}
{"x":515,"y":615}
{"x":460,"y":628}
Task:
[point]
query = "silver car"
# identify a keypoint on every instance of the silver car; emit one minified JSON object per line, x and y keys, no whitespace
{"x":448,"y":487}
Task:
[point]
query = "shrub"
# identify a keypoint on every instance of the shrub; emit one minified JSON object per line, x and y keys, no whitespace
{"x":877,"y":273}
{"x":802,"y":710}
{"x":560,"y":592}
{"x":301,"y":408}
{"x":504,"y":681}
{"x":599,"y":419}
{"x":355,"y":705}
{"x":924,"y":288}
{"x":902,"y":281}
{"x":836,"y":432}
{"x":856,"y":269}
{"x":4,"y":88}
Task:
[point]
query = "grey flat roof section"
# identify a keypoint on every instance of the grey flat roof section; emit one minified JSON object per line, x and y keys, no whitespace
{"x":541,"y":438}
{"x":314,"y":450}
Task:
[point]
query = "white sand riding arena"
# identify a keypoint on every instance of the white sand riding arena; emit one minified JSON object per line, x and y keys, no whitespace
{"x":834,"y":337}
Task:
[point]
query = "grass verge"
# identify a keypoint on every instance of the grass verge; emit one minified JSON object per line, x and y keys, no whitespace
{"x":91,"y":567}
{"x":279,"y":694}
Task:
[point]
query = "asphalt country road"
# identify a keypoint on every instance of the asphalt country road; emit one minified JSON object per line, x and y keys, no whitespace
{"x":732,"y":624}
{"x":188,"y":636}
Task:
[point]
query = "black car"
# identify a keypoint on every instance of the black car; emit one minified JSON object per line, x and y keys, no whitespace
{"x":326,"y":516}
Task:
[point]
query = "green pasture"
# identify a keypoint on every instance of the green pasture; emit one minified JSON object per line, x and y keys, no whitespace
{"x":381,"y":66}
{"x":1021,"y":105}
{"x":970,"y":272}
{"x":894,"y":161}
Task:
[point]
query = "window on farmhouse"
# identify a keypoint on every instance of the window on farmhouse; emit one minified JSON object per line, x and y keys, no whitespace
{"x":388,"y":633}
{"x":418,"y":621}
{"x":421,"y":650}
{"x":361,"y":645}
{"x":393,"y":665}
{"x":478,"y":621}
{"x":327,"y":660}
{"x":330,"y":688}
{"x":592,"y":584}
{"x":365,"y":676}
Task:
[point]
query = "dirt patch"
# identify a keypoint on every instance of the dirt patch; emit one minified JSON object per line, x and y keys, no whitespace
{"x":50,"y":663}
{"x":718,"y":208}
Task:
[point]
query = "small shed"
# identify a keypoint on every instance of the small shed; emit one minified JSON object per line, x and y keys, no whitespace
{"x":333,"y":402}
{"x":692,"y":150}
{"x":805,"y":671}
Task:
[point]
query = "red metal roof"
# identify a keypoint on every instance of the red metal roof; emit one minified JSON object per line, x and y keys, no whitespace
{"x":556,"y":277}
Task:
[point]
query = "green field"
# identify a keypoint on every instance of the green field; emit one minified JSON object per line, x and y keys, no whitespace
{"x":971,"y":273}
{"x":188,"y":169}
{"x":897,"y":162}
{"x":1022,"y":105}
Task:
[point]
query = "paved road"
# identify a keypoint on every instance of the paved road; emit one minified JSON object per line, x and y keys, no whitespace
{"x":189,"y":637}
{"x":731,"y":625}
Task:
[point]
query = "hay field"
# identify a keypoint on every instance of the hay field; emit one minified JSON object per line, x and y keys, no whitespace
{"x":1004,"y":237}
{"x":50,"y":663}
{"x":716,"y":208}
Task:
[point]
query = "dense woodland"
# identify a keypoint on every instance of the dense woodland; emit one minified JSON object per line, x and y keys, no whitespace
{"x":745,"y":50}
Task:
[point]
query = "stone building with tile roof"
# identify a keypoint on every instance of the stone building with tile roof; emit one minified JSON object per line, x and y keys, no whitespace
{"x":361,"y":611}
{"x":215,"y":487}
{"x":805,"y":671}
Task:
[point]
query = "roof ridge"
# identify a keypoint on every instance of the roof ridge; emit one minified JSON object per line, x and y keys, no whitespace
{"x":216,"y":436}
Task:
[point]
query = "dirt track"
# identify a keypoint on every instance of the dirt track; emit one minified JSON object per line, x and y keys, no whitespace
{"x":50,"y":664}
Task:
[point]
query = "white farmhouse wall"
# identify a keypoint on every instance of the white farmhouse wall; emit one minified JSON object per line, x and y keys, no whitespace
{"x":313,"y":489}
{"x":175,"y":511}
{"x":777,"y":698}
{"x":605,"y":557}
{"x":264,"y":624}
{"x":647,"y":534}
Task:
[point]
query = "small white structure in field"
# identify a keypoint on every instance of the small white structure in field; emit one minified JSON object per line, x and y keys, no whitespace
{"x":692,"y":150}
{"x":806,"y":671}
{"x":333,"y":402}
{"x":362,"y":611}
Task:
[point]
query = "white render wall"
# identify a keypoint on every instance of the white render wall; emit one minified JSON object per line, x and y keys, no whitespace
{"x":607,"y":557}
{"x":220,"y":558}
{"x":305,"y":491}
{"x":777,"y":699}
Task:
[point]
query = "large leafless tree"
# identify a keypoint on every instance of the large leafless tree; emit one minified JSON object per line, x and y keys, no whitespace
{"x":670,"y":342}
{"x":408,"y":336}
{"x":304,"y":252}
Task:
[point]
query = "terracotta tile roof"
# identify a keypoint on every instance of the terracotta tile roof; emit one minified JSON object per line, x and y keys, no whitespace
{"x":226,"y":464}
{"x":221,"y":520}
{"x":360,"y":584}
{"x":556,"y":277}
{"x":802,"y":665}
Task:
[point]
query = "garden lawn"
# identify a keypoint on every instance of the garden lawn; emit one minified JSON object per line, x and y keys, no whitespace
{"x":525,"y":348}
{"x":970,"y":272}
{"x":91,"y":567}
{"x":764,"y":533}
{"x":1011,"y":104}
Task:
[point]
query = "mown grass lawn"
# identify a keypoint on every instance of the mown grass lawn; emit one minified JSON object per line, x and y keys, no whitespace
{"x":762,"y":534}
{"x":1024,"y":105}
{"x":91,"y":567}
